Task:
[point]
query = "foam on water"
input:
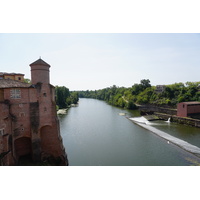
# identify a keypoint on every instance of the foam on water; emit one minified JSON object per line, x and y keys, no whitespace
{"x":141,"y":121}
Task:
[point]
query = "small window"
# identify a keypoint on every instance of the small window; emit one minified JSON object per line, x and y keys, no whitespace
{"x":15,"y":94}
{"x":2,"y":131}
{"x":19,"y":78}
{"x":22,"y":114}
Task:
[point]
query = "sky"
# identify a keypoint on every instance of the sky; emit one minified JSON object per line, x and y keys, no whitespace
{"x":91,"y":61}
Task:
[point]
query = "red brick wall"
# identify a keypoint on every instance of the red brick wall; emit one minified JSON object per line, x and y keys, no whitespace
{"x":33,"y":129}
{"x":39,"y":73}
{"x":193,"y":109}
{"x":182,"y":110}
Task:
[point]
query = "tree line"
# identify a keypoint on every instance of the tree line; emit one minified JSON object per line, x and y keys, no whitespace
{"x":145,"y":93}
{"x":64,"y":98}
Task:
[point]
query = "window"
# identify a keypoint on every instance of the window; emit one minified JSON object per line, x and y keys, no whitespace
{"x":2,"y":131}
{"x":15,"y":94}
{"x":22,"y":114}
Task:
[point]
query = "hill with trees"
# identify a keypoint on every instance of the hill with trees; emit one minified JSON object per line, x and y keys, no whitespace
{"x":144,"y":93}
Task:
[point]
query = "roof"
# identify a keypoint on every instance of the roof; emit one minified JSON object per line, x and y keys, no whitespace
{"x":5,"y":73}
{"x":40,"y":62}
{"x":191,"y":102}
{"x":8,"y":83}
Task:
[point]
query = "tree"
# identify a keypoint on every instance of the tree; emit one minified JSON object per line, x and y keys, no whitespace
{"x":27,"y":80}
{"x":74,"y":97}
{"x":145,"y":83}
{"x":62,"y":93}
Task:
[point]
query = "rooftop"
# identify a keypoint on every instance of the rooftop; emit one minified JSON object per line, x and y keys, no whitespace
{"x":40,"y":62}
{"x":191,"y":102}
{"x":8,"y":83}
{"x":5,"y":73}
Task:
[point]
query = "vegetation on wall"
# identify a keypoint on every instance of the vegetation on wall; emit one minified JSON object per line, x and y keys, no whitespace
{"x":144,"y":93}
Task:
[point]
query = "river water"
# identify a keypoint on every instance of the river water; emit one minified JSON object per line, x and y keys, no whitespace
{"x":94,"y":133}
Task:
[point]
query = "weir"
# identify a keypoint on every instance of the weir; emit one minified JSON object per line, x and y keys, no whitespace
{"x":141,"y":121}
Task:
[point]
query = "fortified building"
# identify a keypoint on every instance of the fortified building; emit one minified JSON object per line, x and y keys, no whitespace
{"x":29,"y":126}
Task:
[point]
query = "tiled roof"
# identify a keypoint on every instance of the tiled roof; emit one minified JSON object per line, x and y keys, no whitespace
{"x":5,"y":73}
{"x":8,"y":83}
{"x":40,"y":62}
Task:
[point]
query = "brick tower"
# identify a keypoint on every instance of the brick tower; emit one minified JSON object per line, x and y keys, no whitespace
{"x":45,"y":128}
{"x":29,"y":126}
{"x":40,"y":72}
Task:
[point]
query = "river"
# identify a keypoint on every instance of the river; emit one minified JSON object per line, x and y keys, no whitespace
{"x":94,"y":133}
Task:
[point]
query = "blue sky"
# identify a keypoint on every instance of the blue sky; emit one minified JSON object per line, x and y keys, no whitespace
{"x":94,"y":61}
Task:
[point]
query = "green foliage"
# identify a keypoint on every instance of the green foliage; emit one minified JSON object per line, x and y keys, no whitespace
{"x":62,"y":93}
{"x":27,"y":80}
{"x":57,"y":107}
{"x":64,"y":98}
{"x":74,"y":97}
{"x":144,"y":93}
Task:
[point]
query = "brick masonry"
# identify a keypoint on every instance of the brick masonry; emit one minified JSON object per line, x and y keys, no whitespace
{"x":28,"y":120}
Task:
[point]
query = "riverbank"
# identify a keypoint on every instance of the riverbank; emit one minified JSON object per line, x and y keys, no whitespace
{"x":180,"y":120}
{"x":180,"y":143}
{"x":62,"y":111}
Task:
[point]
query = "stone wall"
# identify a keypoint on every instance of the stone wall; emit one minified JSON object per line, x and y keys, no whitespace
{"x":154,"y":108}
{"x":180,"y":120}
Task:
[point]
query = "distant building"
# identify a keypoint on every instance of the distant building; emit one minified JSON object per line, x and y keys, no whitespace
{"x":29,"y":126}
{"x":160,"y":88}
{"x":12,"y":76}
{"x":188,"y":109}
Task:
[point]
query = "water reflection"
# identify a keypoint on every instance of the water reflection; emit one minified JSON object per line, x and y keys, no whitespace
{"x":95,"y":134}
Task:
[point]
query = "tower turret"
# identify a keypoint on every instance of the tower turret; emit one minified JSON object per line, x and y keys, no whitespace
{"x":40,"y":72}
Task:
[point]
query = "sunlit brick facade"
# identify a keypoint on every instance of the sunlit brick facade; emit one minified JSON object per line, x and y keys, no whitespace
{"x":187,"y":109}
{"x":28,"y":119}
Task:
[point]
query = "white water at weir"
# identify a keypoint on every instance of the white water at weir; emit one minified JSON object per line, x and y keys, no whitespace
{"x":168,"y":121}
{"x":143,"y":122}
{"x":140,"y":120}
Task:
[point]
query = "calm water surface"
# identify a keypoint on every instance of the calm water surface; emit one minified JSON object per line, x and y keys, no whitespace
{"x":95,"y":134}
